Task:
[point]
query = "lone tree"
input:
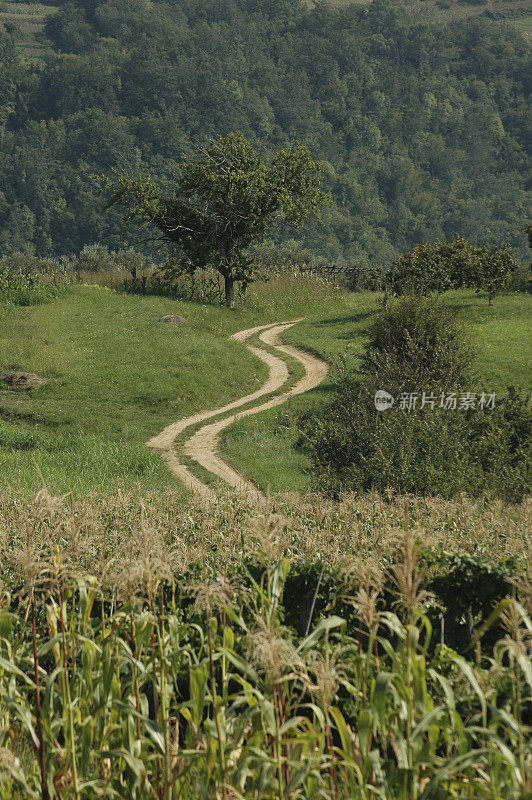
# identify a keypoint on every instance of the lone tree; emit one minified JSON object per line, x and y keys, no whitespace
{"x":496,"y":268}
{"x":225,"y":200}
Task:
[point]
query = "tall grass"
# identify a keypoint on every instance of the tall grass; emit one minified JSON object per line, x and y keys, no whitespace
{"x":23,"y":288}
{"x":145,"y":658}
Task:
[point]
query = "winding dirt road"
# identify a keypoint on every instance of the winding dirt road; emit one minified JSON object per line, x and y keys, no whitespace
{"x":202,"y":446}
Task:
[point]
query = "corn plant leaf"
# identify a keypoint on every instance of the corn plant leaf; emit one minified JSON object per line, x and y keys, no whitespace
{"x":393,"y":622}
{"x":133,"y":763}
{"x":24,"y":714}
{"x":401,"y":752}
{"x":525,"y":617}
{"x":18,"y":779}
{"x":384,"y":679}
{"x":228,"y":638}
{"x":445,"y":685}
{"x":429,"y":719}
{"x":297,"y":778}
{"x":505,"y":718}
{"x":294,"y":722}
{"x":364,"y":729}
{"x":14,"y":670}
{"x":452,"y":767}
{"x":155,"y":733}
{"x":49,"y":645}
{"x":318,"y":712}
{"x":380,"y":779}
{"x":96,"y":787}
{"x":198,"y":688}
{"x":486,"y":625}
{"x":470,"y":675}
{"x":324,"y":625}
{"x":242,"y":666}
{"x":342,"y":729}
{"x":526,"y":665}
{"x":268,"y":716}
{"x":236,"y":618}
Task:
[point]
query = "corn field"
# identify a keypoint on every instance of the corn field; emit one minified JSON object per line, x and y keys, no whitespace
{"x":120,"y":679}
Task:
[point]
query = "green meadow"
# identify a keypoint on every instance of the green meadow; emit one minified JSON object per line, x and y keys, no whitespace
{"x":117,"y":376}
{"x":263,"y":447}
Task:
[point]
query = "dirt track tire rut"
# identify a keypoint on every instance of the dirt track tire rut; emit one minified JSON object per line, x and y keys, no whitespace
{"x":202,"y":446}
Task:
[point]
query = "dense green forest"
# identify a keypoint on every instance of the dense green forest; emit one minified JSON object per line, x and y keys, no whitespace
{"x":422,"y":125}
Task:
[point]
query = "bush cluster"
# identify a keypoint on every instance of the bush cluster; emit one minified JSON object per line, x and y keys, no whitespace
{"x":423,"y":444}
{"x":99,"y":258}
{"x":456,"y":264}
{"x":27,"y":288}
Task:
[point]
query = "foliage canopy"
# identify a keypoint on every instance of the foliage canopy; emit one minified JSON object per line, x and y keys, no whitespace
{"x":429,"y":268}
{"x":424,"y":126}
{"x":225,"y":200}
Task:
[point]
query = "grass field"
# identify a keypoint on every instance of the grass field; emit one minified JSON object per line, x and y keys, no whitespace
{"x":118,"y":377}
{"x":446,"y":11}
{"x":263,"y":447}
{"x":525,"y":24}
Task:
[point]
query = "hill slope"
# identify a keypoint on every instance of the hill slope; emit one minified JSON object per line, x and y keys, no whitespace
{"x":118,"y":377}
{"x":423,"y":127}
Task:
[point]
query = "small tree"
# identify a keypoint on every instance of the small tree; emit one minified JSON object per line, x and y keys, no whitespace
{"x":455,"y":264}
{"x":420,"y":271}
{"x":225,"y":201}
{"x":495,"y":270}
{"x":460,"y":259}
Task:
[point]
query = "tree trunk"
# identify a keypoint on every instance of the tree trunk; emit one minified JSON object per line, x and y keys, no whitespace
{"x":229,"y":289}
{"x":491,"y":299}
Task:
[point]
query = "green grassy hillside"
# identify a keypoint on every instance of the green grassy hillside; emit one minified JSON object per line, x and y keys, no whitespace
{"x":512,"y":12}
{"x":448,"y":10}
{"x":263,"y":446}
{"x":525,"y":24}
{"x":118,"y":377}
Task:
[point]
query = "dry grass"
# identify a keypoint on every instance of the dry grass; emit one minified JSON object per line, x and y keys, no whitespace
{"x":111,"y":535}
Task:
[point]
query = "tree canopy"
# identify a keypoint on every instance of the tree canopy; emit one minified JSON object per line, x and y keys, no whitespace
{"x":455,"y":264}
{"x":424,"y":127}
{"x":224,"y":200}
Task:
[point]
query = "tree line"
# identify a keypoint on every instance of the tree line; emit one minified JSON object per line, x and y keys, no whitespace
{"x":422,"y":128}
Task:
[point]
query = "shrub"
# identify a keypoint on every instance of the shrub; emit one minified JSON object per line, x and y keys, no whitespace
{"x":98,"y":258}
{"x":29,"y":263}
{"x":26,"y":288}
{"x":496,"y":270}
{"x":441,"y":437}
{"x":421,"y":271}
{"x":289,"y":255}
{"x":423,"y":452}
{"x":418,"y":342}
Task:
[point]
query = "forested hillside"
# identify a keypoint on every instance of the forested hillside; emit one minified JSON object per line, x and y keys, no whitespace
{"x":423,"y":126}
